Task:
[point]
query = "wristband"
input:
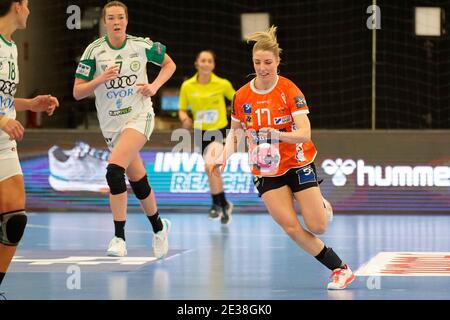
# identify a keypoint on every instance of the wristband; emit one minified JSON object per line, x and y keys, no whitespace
{"x":3,"y":121}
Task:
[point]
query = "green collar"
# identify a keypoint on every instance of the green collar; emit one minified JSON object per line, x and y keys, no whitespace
{"x":6,"y":41}
{"x":110,"y":45}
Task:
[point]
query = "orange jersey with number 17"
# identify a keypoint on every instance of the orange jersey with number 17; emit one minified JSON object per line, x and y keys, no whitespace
{"x":275,"y":108}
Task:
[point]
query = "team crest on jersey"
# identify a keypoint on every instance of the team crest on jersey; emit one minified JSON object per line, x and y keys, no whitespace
{"x":283,"y":97}
{"x":247,"y":108}
{"x":300,"y":101}
{"x":282,"y":120}
{"x":135,"y":66}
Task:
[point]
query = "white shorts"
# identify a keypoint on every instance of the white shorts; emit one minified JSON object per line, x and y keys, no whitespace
{"x":9,"y":164}
{"x":143,"y":122}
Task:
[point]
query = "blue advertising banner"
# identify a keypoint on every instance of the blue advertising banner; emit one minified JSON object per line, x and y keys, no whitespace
{"x":74,"y":180}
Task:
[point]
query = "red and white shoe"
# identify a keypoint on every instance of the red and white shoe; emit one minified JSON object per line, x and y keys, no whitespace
{"x":341,"y":278}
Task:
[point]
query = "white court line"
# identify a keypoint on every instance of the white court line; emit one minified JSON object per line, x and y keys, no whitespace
{"x":176,"y":255}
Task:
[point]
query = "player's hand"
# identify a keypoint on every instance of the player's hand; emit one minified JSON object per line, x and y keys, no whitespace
{"x":187,"y":123}
{"x":269,"y":133}
{"x":14,"y":129}
{"x":147,"y":89}
{"x":110,"y":73}
{"x":44,"y":103}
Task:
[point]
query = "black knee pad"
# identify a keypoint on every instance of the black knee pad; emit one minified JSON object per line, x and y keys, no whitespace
{"x":115,"y":176}
{"x":141,"y":188}
{"x":12,"y":227}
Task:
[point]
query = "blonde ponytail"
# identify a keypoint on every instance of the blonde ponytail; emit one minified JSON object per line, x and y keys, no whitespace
{"x":266,"y":41}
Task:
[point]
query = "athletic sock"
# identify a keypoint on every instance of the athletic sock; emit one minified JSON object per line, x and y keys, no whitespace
{"x":329,"y":259}
{"x":119,"y":229}
{"x":219,"y":199}
{"x":156,"y":222}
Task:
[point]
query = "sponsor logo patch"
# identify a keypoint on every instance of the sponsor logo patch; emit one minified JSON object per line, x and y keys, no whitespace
{"x":306,"y":174}
{"x":282,"y":120}
{"x":114,"y":113}
{"x":300,"y":101}
{"x":247,"y":108}
{"x":84,"y":69}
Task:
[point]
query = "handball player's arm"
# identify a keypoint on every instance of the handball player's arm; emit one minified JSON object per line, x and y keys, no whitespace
{"x":233,"y":139}
{"x":22,"y":104}
{"x":303,"y":132}
{"x":168,"y":68}
{"x":185,"y":120}
{"x":12,"y":127}
{"x":234,"y":136}
{"x":42,"y":103}
{"x":83,"y":88}
{"x":183,"y":115}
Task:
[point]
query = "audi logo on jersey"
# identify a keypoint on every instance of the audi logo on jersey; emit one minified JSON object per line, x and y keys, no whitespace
{"x":8,"y":88}
{"x":121,"y":82}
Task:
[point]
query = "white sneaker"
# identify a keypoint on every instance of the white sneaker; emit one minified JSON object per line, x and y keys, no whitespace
{"x":161,"y":240}
{"x":341,"y":278}
{"x":328,"y":209}
{"x":117,"y":248}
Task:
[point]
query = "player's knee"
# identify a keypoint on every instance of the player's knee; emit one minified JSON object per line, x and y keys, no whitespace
{"x":141,"y":188}
{"x":292,"y":229}
{"x":318,"y":227}
{"x":12,"y":227}
{"x":115,"y":176}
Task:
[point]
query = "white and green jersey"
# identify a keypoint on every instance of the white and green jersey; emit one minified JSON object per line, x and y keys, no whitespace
{"x":117,"y":100}
{"x":9,"y":81}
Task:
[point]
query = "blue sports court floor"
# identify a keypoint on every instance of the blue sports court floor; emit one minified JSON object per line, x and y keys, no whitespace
{"x":62,"y":256}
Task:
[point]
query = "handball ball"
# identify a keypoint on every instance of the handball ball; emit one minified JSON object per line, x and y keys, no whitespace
{"x":265,"y":156}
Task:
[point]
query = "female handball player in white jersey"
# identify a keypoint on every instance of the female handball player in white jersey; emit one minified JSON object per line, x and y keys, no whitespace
{"x":114,"y":69}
